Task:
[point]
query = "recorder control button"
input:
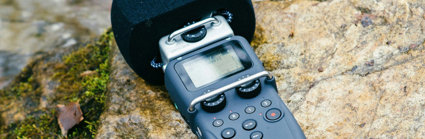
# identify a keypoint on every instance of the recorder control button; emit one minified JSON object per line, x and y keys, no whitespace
{"x":234,"y":116}
{"x":218,"y":122}
{"x":250,"y":109}
{"x":250,"y":89}
{"x":266,"y":103}
{"x":256,"y":135}
{"x":249,"y":124}
{"x":273,"y":114}
{"x":214,"y":104}
{"x":228,"y":133}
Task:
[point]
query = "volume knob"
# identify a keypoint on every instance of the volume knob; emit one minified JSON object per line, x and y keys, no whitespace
{"x":250,"y":89}
{"x":195,"y":35}
{"x":214,"y":104}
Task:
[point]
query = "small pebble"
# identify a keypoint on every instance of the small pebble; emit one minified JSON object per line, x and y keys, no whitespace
{"x":404,"y":49}
{"x":320,"y":69}
{"x":413,"y":46}
{"x":291,"y":35}
{"x":354,"y":68}
{"x":370,"y":63}
{"x":366,"y":21}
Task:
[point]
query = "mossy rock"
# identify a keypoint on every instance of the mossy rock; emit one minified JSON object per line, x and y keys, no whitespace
{"x":59,"y":77}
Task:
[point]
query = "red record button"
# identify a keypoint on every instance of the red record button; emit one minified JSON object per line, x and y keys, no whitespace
{"x":273,"y":114}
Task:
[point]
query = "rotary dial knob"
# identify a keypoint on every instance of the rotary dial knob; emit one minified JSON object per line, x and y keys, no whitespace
{"x":214,"y":104}
{"x":250,"y":89}
{"x":194,"y":35}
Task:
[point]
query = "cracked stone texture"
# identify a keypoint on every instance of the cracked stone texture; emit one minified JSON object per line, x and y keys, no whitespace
{"x":137,"y":110}
{"x":29,"y":27}
{"x":347,"y":69}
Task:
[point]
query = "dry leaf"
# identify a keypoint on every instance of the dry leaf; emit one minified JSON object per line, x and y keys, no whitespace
{"x":87,"y":73}
{"x":69,"y":116}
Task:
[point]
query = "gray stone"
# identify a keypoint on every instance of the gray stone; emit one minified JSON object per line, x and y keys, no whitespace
{"x":137,"y":110}
{"x":30,"y":27}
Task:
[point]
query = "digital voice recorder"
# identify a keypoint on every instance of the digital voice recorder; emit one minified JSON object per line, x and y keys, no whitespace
{"x":212,"y":74}
{"x":220,"y":86}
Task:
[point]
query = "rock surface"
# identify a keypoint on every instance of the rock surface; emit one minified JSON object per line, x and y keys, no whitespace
{"x":135,"y":109}
{"x":63,"y":76}
{"x":346,"y":69}
{"x":30,"y":27}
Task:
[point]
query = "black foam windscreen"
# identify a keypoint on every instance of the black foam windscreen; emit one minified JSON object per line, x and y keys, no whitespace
{"x":139,"y":24}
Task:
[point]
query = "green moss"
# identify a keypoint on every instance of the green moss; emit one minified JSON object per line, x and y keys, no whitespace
{"x":2,"y":130}
{"x":23,"y":86}
{"x":41,"y":126}
{"x":89,"y":89}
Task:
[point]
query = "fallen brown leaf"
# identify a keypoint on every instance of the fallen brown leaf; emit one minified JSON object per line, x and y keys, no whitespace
{"x":69,"y":116}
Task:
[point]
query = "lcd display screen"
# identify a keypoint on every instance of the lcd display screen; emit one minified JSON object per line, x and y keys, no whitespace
{"x":213,"y":66}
